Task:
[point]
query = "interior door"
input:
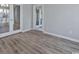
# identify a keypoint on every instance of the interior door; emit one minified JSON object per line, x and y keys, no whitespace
{"x":38,"y":19}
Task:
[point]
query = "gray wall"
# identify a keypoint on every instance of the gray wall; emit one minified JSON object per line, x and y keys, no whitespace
{"x":62,"y":20}
{"x":26,"y":16}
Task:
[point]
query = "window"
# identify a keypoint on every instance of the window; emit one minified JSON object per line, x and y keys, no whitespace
{"x":4,"y":12}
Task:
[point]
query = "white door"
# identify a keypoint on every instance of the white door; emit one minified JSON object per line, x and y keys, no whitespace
{"x":38,"y":17}
{"x":8,"y":24}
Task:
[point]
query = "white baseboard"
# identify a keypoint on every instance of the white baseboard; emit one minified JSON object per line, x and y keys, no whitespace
{"x":61,"y":36}
{"x":9,"y":33}
{"x":26,"y":30}
{"x":14,"y":32}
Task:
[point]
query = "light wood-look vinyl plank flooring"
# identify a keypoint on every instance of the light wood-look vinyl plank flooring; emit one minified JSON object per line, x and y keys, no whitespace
{"x":36,"y":42}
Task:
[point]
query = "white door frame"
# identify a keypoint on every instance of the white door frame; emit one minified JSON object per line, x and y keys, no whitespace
{"x":34,"y":17}
{"x":11,"y":23}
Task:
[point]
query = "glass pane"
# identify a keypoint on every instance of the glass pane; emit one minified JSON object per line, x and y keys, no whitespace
{"x":40,"y":15}
{"x":4,"y":17}
{"x":37,"y":16}
{"x":16,"y":17}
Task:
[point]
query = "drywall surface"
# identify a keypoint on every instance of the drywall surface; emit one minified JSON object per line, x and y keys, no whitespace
{"x":62,"y":19}
{"x":26,"y":16}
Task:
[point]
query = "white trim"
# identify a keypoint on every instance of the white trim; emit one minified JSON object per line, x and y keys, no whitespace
{"x":13,"y":32}
{"x":9,"y":33}
{"x":26,"y":30}
{"x":21,"y":17}
{"x":61,"y":36}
